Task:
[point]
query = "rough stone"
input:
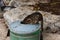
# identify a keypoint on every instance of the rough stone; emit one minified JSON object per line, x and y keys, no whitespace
{"x":8,"y":38}
{"x":21,"y":12}
{"x":17,"y":14}
{"x":18,"y":3}
{"x":3,"y":30}
{"x":50,"y":36}
{"x":6,"y":2}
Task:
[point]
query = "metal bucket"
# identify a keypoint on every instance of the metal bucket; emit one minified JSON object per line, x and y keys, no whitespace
{"x":20,"y":31}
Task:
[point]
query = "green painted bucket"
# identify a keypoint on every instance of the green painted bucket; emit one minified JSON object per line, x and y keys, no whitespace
{"x":24,"y":31}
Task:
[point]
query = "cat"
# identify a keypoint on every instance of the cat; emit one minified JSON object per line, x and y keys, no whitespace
{"x":34,"y":18}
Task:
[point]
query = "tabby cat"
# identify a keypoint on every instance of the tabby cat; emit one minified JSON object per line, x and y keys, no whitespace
{"x":34,"y":18}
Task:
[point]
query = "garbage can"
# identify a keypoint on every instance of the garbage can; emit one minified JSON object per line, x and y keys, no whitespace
{"x":20,"y":31}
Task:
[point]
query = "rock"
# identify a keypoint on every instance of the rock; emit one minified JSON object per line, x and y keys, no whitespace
{"x":1,"y":14}
{"x":52,"y":21}
{"x":55,"y":1}
{"x":8,"y":38}
{"x":3,"y":30}
{"x":50,"y":36}
{"x":45,"y":1}
{"x":57,"y":24}
{"x":17,"y":14}
{"x":18,"y":3}
{"x":6,"y":2}
{"x":1,"y":3}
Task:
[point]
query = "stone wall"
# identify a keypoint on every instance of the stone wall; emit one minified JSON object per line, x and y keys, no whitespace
{"x":51,"y":22}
